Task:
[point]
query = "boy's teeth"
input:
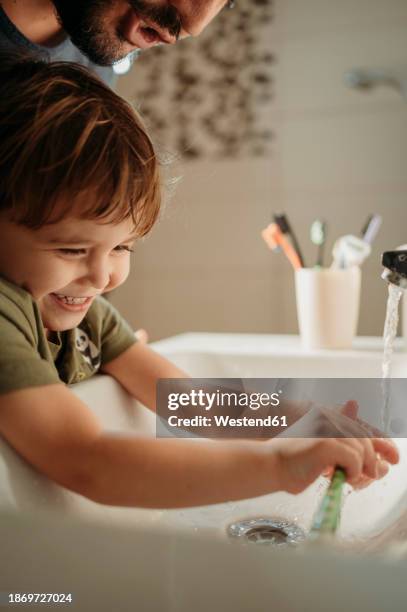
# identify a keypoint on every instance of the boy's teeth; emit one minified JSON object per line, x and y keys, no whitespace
{"x":71,"y":300}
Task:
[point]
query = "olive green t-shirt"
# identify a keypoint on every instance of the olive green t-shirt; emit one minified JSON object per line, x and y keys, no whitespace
{"x":29,"y":359}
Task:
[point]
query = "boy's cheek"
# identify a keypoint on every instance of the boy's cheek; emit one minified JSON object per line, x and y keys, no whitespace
{"x":46,"y":279}
{"x":119,"y":276}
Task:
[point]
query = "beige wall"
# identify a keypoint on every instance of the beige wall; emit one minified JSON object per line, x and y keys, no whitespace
{"x":338,"y":153}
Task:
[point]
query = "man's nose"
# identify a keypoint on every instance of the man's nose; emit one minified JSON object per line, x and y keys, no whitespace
{"x":198,"y":19}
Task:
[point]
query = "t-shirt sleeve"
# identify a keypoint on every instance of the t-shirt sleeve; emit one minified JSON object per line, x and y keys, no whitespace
{"x":21,"y":366}
{"x":117,"y":335}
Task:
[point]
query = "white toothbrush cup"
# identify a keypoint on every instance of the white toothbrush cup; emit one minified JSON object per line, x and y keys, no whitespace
{"x":328,"y":306}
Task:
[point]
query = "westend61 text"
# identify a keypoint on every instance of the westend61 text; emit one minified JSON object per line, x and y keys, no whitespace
{"x":227,"y":421}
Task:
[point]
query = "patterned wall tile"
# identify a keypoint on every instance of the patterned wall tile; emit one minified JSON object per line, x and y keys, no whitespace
{"x":209,"y":97}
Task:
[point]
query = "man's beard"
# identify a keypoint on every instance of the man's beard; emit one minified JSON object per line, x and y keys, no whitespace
{"x":86,"y":25}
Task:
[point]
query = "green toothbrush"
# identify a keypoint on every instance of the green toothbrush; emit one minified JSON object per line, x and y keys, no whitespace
{"x":326,"y":520}
{"x":318,"y":237}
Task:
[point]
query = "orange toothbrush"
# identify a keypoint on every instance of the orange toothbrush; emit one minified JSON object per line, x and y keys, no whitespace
{"x":274,"y":238}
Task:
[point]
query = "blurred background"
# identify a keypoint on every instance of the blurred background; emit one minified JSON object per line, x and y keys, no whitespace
{"x":259,"y":119}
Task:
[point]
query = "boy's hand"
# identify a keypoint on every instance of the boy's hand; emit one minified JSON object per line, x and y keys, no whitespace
{"x":350,"y":409}
{"x":364,"y":457}
{"x":294,"y":411}
{"x":298,"y":462}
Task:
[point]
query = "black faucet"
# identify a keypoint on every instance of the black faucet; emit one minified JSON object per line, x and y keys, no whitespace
{"x":395,"y":268}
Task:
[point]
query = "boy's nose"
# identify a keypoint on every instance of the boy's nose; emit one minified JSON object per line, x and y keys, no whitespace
{"x":98,"y":276}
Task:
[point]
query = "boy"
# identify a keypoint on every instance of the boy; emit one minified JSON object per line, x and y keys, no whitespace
{"x":79,"y":182}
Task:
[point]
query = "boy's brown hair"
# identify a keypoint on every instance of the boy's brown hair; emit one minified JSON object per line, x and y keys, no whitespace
{"x":65,"y":137}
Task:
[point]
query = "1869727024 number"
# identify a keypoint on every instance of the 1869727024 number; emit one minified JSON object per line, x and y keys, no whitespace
{"x":35,"y":598}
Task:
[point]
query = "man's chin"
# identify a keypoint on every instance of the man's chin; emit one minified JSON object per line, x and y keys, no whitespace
{"x":85,"y":25}
{"x":103,"y":55}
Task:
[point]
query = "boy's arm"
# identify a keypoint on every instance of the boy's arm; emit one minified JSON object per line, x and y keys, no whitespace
{"x":138,"y":368}
{"x":58,"y":434}
{"x":52,"y":429}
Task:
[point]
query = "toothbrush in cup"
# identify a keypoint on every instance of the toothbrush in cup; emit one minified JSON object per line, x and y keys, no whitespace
{"x":318,"y":238}
{"x":274,"y":238}
{"x":371,"y":228}
{"x":350,"y":251}
{"x":282,"y":221}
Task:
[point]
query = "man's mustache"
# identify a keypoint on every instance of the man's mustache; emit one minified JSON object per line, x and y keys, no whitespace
{"x":165,"y":17}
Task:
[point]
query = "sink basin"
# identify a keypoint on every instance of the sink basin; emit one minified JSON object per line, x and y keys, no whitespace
{"x":273,"y":356}
{"x":179,"y":559}
{"x":214,"y":355}
{"x":257,"y":356}
{"x":144,"y":568}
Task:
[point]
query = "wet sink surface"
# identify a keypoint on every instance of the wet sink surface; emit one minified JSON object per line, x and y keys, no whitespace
{"x":374,"y":515}
{"x":180,"y":560}
{"x":219,"y":355}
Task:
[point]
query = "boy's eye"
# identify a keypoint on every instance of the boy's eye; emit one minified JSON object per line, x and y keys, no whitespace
{"x":124,"y":248}
{"x":72,"y":251}
{"x":121,"y":248}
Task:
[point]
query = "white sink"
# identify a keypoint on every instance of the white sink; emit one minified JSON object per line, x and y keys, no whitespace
{"x":183,"y":558}
{"x":257,"y":356}
{"x":107,"y":568}
{"x":273,"y":356}
{"x":218,"y":355}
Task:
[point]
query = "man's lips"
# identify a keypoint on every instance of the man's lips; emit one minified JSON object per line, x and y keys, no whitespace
{"x":141,"y":33}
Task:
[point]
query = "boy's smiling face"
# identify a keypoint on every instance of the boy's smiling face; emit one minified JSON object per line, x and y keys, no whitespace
{"x":74,"y":258}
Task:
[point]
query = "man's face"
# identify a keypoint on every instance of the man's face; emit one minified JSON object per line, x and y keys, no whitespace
{"x":108,"y":30}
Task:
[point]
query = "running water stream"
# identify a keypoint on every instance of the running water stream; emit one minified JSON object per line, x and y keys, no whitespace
{"x":389,"y":336}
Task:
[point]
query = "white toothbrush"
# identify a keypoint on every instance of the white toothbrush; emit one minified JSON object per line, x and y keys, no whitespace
{"x":350,"y":251}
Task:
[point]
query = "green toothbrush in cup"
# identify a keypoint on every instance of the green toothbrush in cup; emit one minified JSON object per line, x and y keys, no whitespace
{"x":318,"y":238}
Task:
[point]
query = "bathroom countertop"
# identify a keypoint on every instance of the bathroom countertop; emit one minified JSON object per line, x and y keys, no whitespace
{"x":366,"y":347}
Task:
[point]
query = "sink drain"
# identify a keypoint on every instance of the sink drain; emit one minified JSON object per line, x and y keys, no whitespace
{"x":274,"y":532}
